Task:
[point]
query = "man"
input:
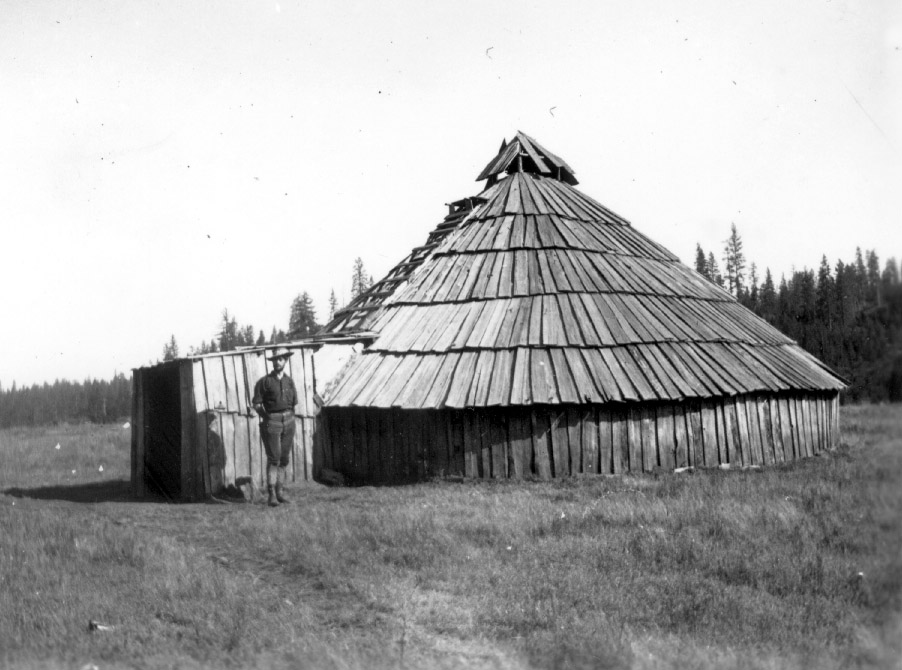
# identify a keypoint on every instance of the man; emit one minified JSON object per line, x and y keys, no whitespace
{"x":274,"y":399}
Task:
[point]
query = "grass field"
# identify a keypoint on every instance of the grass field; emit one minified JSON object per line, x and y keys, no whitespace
{"x":794,"y":566}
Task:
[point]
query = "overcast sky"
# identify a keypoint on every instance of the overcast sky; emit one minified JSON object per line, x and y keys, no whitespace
{"x":161,"y":161}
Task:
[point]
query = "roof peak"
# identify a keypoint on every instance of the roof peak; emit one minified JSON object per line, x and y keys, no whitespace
{"x":524,"y":154}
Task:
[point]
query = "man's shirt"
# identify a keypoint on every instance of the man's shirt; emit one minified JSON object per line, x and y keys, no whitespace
{"x":276,"y":395}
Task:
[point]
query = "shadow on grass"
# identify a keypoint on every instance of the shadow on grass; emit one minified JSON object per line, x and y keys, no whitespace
{"x":118,"y":490}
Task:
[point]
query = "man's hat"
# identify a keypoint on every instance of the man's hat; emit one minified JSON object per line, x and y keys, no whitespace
{"x":281,"y":352}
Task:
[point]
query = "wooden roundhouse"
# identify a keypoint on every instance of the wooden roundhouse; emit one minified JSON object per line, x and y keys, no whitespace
{"x":537,"y":333}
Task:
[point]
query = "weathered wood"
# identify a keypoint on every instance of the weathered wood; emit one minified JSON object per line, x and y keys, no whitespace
{"x":138,"y":433}
{"x":455,"y":444}
{"x":746,"y":446}
{"x":588,"y":419}
{"x":634,"y":438}
{"x":520,"y":436}
{"x":765,"y":423}
{"x":228,"y":441}
{"x":214,"y":378}
{"x":785,"y":429}
{"x":201,"y":427}
{"x":574,"y":439}
{"x":734,"y":449}
{"x":485,"y":449}
{"x":188,"y":455}
{"x":711,"y":435}
{"x":541,"y":431}
{"x":560,"y":446}
{"x":649,"y":439}
{"x":231,"y":384}
{"x":360,"y":461}
{"x":498,"y":440}
{"x":665,"y":430}
{"x":776,"y":435}
{"x":756,"y":446}
{"x":620,"y":451}
{"x":472,"y":444}
{"x":681,"y":436}
{"x":804,"y":426}
{"x":694,"y":435}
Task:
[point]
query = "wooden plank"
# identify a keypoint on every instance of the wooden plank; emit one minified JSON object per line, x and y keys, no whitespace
{"x":359,"y":461}
{"x":188,"y":443}
{"x":649,"y":439}
{"x":798,"y":449}
{"x":214,"y":376}
{"x":604,"y":443}
{"x":391,"y":459}
{"x":785,"y":429}
{"x":227,"y":420}
{"x":835,"y":425}
{"x":472,"y":443}
{"x":201,"y":428}
{"x":133,"y":455}
{"x":765,"y":421}
{"x":737,"y":443}
{"x":437,"y":455}
{"x":455,"y":442}
{"x":619,"y":440}
{"x":711,"y":436}
{"x":520,"y":438}
{"x":694,"y":439}
{"x":574,"y":438}
{"x":485,"y":457}
{"x":680,"y":436}
{"x":804,"y":426}
{"x":242,"y":446}
{"x":254,"y":370}
{"x":588,"y":419}
{"x":541,"y":443}
{"x":231,"y":385}
{"x":560,"y":447}
{"x":776,"y":437}
{"x":741,"y":429}
{"x":138,"y":433}
{"x":498,"y":440}
{"x":634,"y":439}
{"x":666,"y":435}
{"x":750,"y":418}
{"x":374,"y":453}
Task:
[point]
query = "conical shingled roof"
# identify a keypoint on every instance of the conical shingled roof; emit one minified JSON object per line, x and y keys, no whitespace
{"x":541,"y":295}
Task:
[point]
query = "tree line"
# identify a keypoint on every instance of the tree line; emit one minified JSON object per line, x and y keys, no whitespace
{"x":102,"y":401}
{"x":849,"y":315}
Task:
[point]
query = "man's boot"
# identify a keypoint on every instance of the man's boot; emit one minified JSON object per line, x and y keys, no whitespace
{"x":272,"y":479}
{"x":280,"y":486}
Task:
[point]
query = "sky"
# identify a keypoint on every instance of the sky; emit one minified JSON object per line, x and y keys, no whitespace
{"x":163,"y":161}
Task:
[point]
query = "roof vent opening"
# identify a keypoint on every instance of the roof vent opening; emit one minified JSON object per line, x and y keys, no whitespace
{"x":524,"y":154}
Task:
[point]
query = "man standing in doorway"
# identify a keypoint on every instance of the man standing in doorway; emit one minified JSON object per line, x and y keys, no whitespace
{"x":274,"y":399}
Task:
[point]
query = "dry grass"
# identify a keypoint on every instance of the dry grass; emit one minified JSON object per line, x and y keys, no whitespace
{"x":708,"y":570}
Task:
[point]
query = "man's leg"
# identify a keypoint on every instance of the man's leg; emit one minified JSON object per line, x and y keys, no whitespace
{"x":285,"y":458}
{"x":272,"y":442}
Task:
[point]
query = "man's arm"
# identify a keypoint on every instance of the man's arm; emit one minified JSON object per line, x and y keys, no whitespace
{"x":257,"y":401}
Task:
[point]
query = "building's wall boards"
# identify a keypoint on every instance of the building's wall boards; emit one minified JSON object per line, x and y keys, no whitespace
{"x":229,"y":433}
{"x":392,"y":445}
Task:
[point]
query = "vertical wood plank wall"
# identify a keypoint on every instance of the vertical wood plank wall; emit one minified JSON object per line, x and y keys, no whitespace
{"x":219,"y":440}
{"x":392,"y":445}
{"x":224,"y":385}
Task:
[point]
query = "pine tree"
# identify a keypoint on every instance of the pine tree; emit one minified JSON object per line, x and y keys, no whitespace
{"x":170,"y":349}
{"x":712,"y":272}
{"x":302,"y":320}
{"x":701,"y":265}
{"x":753,"y":289}
{"x":767,"y":298}
{"x":333,"y":304}
{"x":261,"y":340}
{"x":229,"y":332}
{"x":360,"y":281}
{"x":734,"y":262}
